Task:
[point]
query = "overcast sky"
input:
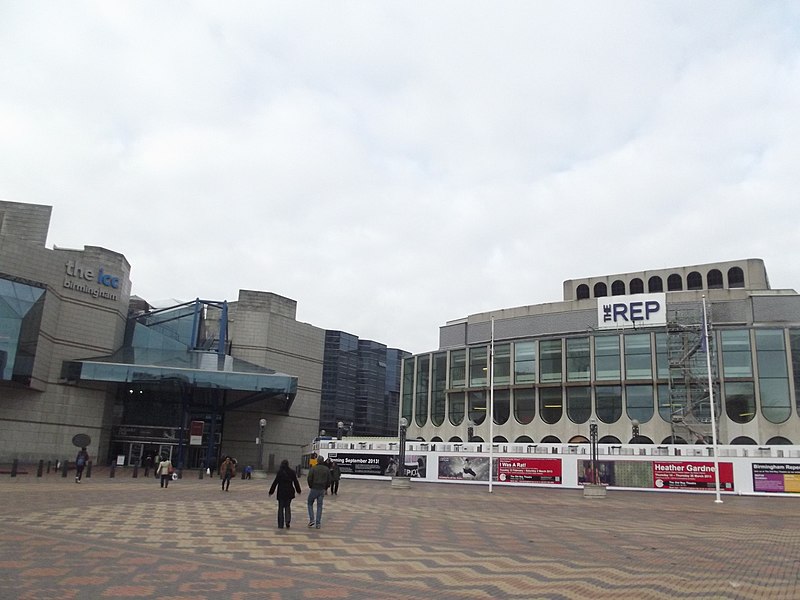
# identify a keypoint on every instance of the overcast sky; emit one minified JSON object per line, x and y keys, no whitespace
{"x":395,"y":165}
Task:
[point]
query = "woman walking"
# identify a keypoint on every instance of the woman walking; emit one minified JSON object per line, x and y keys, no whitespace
{"x":165,"y":470}
{"x":287,"y":484}
{"x":227,"y":470}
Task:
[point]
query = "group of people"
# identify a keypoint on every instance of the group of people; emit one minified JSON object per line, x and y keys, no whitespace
{"x":323,"y":475}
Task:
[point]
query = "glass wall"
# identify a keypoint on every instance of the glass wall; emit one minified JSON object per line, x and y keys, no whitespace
{"x":21,"y":307}
{"x":439,"y":378}
{"x":773,"y":375}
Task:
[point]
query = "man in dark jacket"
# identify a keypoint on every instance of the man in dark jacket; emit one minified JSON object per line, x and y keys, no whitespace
{"x":319,"y":478}
{"x":286,"y":482}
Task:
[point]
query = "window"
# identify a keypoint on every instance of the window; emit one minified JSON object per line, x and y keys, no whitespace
{"x":655,"y":284}
{"x":674,"y":283}
{"x":458,"y":368}
{"x":455,"y":401}
{"x":606,"y":357}
{"x":550,"y":361}
{"x":439,"y":378}
{"x":551,"y":405}
{"x":608,"y":400}
{"x":618,"y":288}
{"x":21,"y":307}
{"x":477,"y":406}
{"x":662,"y":356}
{"x":779,"y":441}
{"x":743,"y":440}
{"x":408,"y":389}
{"x":501,"y":406}
{"x":694,"y":281}
{"x":637,"y":286}
{"x":735,"y":277}
{"x":582,"y":293}
{"x":639,"y":402}
{"x":773,"y":375}
{"x":525,"y":362}
{"x":740,"y":401}
{"x":478,"y":361}
{"x":579,"y":404}
{"x":502,"y":364}
{"x":524,"y":439}
{"x":550,"y":439}
{"x":578,"y":360}
{"x":664,"y":403}
{"x":524,"y":405}
{"x":423,"y":386}
{"x":600,"y":290}
{"x":736,"y":358}
{"x":714,"y":279}
{"x":637,"y":356}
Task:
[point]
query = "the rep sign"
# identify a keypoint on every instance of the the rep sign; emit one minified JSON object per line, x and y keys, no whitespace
{"x":640,"y":310}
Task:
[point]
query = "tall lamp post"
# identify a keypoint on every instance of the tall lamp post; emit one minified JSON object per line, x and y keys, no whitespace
{"x":634,"y":431}
{"x":261,"y":425}
{"x":340,"y":428}
{"x":593,"y":448}
{"x":401,"y":467}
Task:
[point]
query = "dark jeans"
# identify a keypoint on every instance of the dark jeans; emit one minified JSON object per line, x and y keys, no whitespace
{"x":335,"y":486}
{"x":284,"y":512}
{"x":79,"y":472}
{"x":226,"y":482}
{"x":165,"y":480}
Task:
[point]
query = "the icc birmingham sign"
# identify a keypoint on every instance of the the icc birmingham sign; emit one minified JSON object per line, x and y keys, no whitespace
{"x":641,"y":310}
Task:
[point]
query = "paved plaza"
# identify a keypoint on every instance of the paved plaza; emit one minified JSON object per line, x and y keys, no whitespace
{"x":128,"y":538}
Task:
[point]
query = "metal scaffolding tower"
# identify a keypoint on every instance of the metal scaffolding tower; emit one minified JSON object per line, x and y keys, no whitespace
{"x":690,"y":407}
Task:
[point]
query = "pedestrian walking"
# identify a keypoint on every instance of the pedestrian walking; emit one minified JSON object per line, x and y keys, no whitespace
{"x":165,"y":470}
{"x":286,"y":482}
{"x":227,"y":470}
{"x":319,"y":477}
{"x":336,"y":475}
{"x":80,"y":463}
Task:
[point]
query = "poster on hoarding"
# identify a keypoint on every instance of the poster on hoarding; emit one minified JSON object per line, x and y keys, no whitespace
{"x":529,"y":470}
{"x":378,"y":464}
{"x":692,"y":475}
{"x":776,"y":478}
{"x":472,"y":468}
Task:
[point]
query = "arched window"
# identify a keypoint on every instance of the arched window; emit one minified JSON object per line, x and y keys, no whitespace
{"x":477,"y":407}
{"x":579,"y":404}
{"x":499,"y":439}
{"x":641,"y":439}
{"x":655,"y":284}
{"x":608,"y":403}
{"x":551,"y":405}
{"x":639,"y":402}
{"x":609,"y":439}
{"x":423,"y":387}
{"x":501,"y":406}
{"x":455,"y":400}
{"x":714,"y":279}
{"x":455,"y":438}
{"x":779,"y":441}
{"x":740,"y":401}
{"x":673,"y":440}
{"x":618,"y":288}
{"x":600,"y":290}
{"x":578,"y":439}
{"x":694,"y":281}
{"x":637,"y":286}
{"x":735,"y":277}
{"x":439,"y":381}
{"x":773,"y":375}
{"x":743,"y":440}
{"x":582,"y":293}
{"x":436,"y":438}
{"x":674,"y":283}
{"x":550,"y":439}
{"x":524,"y":405}
{"x":523,"y":439}
{"x":476,"y":438}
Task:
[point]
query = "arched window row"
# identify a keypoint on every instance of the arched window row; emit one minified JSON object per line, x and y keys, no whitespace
{"x":714,"y":280}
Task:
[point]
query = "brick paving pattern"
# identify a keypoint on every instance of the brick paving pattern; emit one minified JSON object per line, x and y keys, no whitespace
{"x":128,"y":538}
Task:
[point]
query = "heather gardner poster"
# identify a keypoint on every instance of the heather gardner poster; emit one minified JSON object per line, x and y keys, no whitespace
{"x":692,"y":475}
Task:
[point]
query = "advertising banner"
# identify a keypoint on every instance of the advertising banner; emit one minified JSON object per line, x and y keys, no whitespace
{"x":464,"y":467}
{"x":378,"y":464}
{"x":776,"y":478}
{"x":692,"y":475}
{"x":640,"y":310}
{"x":196,"y":433}
{"x":529,"y":470}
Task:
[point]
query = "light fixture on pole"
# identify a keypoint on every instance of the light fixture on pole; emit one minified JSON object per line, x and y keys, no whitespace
{"x":340,"y":429}
{"x":593,"y":448}
{"x":401,"y":466}
{"x":634,"y":431}
{"x":260,"y":442}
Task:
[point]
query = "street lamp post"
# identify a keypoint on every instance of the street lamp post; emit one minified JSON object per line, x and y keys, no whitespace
{"x":401,"y":467}
{"x":593,"y":448}
{"x":261,"y":425}
{"x":340,"y":427}
{"x":635,"y":431}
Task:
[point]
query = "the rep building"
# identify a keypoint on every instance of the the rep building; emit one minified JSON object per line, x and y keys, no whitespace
{"x":628,"y":352}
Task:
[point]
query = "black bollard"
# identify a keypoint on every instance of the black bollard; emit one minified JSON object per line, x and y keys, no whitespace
{"x":146,"y":471}
{"x":14,"y":467}
{"x":40,"y":469}
{"x":64,"y":467}
{"x":48,"y":467}
{"x":135,"y":471}
{"x":89,"y":469}
{"x":180,"y":473}
{"x":200,"y":476}
{"x":111,"y":471}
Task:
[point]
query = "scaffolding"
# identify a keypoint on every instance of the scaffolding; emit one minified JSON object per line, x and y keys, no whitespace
{"x":690,"y":406}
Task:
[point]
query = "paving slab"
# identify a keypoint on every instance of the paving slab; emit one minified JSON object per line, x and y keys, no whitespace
{"x":128,"y":538}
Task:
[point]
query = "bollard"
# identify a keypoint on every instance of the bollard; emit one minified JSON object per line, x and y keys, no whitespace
{"x":40,"y":469}
{"x":146,"y":471}
{"x":14,"y":467}
{"x":180,"y":473}
{"x":48,"y":467}
{"x":64,"y":467}
{"x":111,"y":471}
{"x":135,"y":471}
{"x":200,"y":476}
{"x":89,"y":469}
